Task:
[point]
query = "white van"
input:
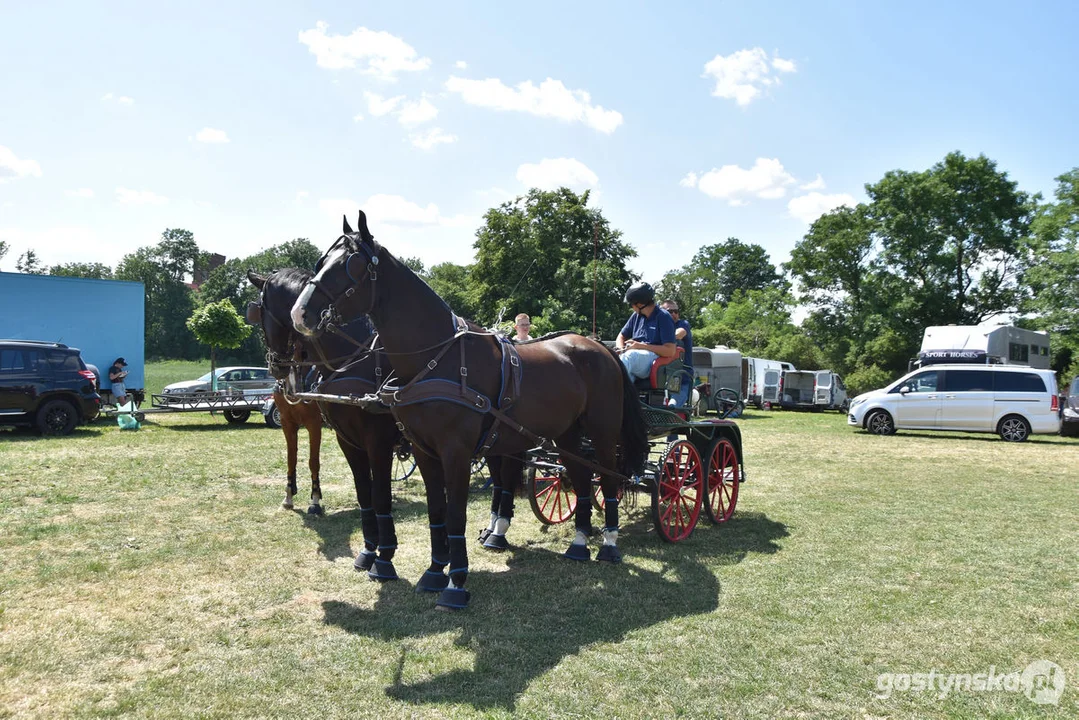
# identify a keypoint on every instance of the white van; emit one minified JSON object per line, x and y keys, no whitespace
{"x":1009,"y":400}
{"x":760,"y":381}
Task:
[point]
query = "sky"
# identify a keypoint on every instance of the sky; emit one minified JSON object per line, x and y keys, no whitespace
{"x":253,"y":123}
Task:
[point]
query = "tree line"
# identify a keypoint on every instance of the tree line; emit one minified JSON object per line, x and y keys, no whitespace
{"x":956,"y":243}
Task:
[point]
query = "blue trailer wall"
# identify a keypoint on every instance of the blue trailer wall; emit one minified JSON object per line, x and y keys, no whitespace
{"x":105,"y":319}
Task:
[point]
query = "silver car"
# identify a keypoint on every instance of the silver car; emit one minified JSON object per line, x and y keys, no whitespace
{"x":230,"y":380}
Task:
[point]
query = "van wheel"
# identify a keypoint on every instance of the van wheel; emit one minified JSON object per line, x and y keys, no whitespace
{"x":880,"y":422}
{"x":1014,"y":429}
{"x":57,"y":417}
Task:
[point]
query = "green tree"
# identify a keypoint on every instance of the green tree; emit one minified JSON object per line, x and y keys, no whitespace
{"x":169,"y":302}
{"x":3,"y":249}
{"x":453,"y":284}
{"x":218,"y":325}
{"x":716,"y":273}
{"x":535,"y":255}
{"x":29,"y":263}
{"x":1053,"y":275}
{"x":82,"y":270}
{"x":941,"y":246}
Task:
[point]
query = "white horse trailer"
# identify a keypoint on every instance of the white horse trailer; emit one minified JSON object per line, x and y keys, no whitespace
{"x":719,"y":367}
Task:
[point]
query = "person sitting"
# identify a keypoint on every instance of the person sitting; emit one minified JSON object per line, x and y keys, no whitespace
{"x":684,"y":337}
{"x":648,"y":334}
{"x":522,"y":324}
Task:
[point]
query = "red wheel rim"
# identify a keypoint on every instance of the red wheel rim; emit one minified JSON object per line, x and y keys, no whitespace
{"x":679,"y":491}
{"x":552,"y":499}
{"x":723,"y":480}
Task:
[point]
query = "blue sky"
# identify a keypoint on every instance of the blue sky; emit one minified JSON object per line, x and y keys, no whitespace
{"x":254,"y":123}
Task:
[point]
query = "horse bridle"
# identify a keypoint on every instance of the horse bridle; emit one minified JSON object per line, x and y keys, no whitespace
{"x":356,"y":250}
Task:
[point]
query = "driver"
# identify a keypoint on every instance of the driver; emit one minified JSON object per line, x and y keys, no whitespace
{"x":648,"y":334}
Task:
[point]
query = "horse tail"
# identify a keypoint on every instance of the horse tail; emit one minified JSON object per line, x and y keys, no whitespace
{"x":634,"y":431}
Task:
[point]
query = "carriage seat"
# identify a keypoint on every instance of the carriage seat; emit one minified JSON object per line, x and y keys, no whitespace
{"x":666,"y":376}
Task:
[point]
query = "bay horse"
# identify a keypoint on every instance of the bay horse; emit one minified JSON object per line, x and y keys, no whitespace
{"x":565,"y":387}
{"x":366,"y":438}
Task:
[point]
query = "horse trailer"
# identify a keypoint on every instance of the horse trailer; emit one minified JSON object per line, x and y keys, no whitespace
{"x":984,"y":345}
{"x":105,"y":319}
{"x":717,"y":368}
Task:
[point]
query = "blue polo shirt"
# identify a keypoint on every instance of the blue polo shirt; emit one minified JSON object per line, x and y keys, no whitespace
{"x":655,"y":330}
{"x":687,"y":344}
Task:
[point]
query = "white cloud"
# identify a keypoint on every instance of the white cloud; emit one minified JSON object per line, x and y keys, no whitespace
{"x":379,"y":106}
{"x":550,"y":99}
{"x":56,"y":245}
{"x":372,"y":53}
{"x":430,"y":138}
{"x":550,"y":174}
{"x":782,"y":65}
{"x":742,"y":75}
{"x":139,"y":197}
{"x":212,"y":135}
{"x":81,"y":193}
{"x":415,"y":113}
{"x":302,"y":195}
{"x":689,"y":181}
{"x":808,"y":208}
{"x":392,"y":210}
{"x":766,"y":179}
{"x":817,"y":184}
{"x":12,"y":166}
{"x":357,"y":118}
{"x":461,"y":65}
{"x":122,"y":99}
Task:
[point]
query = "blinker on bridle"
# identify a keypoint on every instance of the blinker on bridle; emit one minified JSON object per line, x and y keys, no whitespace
{"x":357,"y":249}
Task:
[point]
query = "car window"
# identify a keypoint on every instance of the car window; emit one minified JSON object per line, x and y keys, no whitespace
{"x":771,"y":377}
{"x":1075,"y":386}
{"x":12,"y":360}
{"x":1019,"y":382}
{"x":64,"y":361}
{"x":968,"y":380}
{"x":205,"y":378}
{"x":925,"y":382}
{"x":259,"y":374}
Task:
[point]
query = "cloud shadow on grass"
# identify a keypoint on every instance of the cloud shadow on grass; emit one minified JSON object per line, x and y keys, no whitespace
{"x":525,"y":622}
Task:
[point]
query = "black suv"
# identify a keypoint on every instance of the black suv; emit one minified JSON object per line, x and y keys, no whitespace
{"x":46,"y":385}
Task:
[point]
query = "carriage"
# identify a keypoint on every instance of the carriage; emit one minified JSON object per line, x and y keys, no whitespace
{"x":692,"y":465}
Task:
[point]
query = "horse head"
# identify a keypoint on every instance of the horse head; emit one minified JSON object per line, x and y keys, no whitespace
{"x":343,"y":286}
{"x":278,"y":291}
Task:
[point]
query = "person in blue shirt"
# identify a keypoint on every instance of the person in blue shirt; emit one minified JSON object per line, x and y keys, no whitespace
{"x":684,"y":337}
{"x":648,"y":334}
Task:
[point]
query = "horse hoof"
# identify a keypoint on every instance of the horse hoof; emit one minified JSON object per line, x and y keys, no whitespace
{"x":484,"y":534}
{"x":577,"y":552}
{"x":364,"y":560}
{"x":286,"y":505}
{"x":432,"y":582}
{"x":382,"y":571}
{"x":496,"y":542}
{"x":609,"y":553}
{"x":453,"y":599}
{"x":315,"y":510}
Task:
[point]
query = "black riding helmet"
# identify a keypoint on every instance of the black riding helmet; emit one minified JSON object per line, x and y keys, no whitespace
{"x":641,"y":293}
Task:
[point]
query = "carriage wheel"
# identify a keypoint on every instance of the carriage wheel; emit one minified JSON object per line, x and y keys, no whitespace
{"x":722,"y":480}
{"x":404,"y":462}
{"x":678,"y":492}
{"x":552,"y":497}
{"x":598,"y":501}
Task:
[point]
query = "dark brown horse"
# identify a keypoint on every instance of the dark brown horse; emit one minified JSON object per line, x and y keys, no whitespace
{"x":345,"y":367}
{"x":571,"y":387}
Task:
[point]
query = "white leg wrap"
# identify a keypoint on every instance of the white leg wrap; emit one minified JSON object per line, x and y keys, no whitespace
{"x":610,"y":537}
{"x":580,"y":539}
{"x":491,"y":525}
{"x":501,"y":526}
{"x":287,"y":501}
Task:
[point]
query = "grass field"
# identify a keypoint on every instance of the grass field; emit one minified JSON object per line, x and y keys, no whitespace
{"x":153,"y":574}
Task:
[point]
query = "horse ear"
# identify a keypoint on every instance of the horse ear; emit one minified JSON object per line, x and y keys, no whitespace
{"x":362,"y":224}
{"x":345,"y":229}
{"x":257,"y":280}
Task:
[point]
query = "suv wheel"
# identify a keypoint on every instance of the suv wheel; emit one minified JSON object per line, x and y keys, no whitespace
{"x":273,"y":418}
{"x":880,"y":422}
{"x":1014,"y":429}
{"x":57,"y":417}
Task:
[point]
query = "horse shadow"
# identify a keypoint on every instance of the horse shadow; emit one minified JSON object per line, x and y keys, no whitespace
{"x":524,"y":622}
{"x":335,"y":529}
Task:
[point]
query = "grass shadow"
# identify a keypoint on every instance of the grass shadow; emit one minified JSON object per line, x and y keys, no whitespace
{"x":335,"y":529}
{"x":965,"y":437}
{"x":524,"y":623}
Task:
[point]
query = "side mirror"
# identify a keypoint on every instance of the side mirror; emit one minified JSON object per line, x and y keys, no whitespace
{"x":905,"y":389}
